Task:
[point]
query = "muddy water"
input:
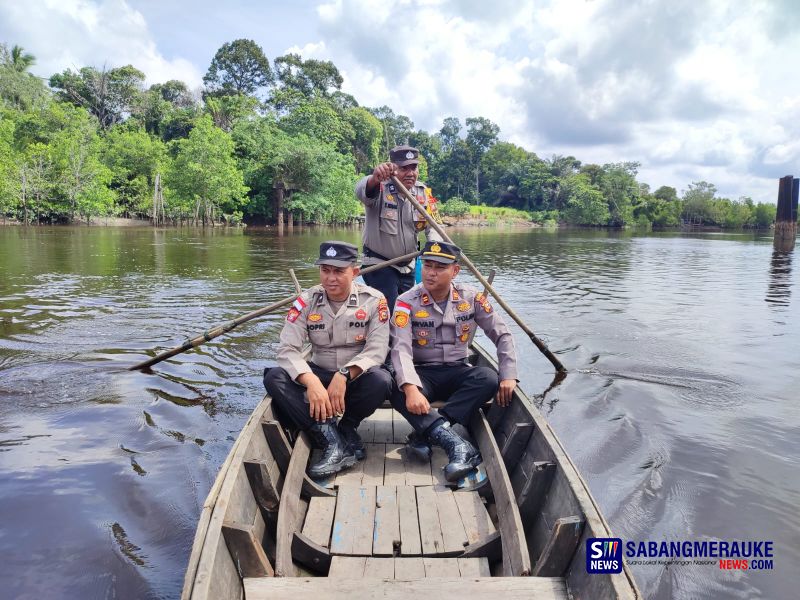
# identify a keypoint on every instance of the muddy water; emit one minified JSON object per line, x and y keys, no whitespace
{"x":680,"y":408}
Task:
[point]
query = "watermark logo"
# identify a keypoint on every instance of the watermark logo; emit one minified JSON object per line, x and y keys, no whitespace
{"x":604,"y":555}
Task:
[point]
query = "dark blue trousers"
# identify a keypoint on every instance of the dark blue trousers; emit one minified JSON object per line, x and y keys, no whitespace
{"x":462,"y":387}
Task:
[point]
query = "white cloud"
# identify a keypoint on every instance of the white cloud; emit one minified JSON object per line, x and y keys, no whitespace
{"x":70,"y":34}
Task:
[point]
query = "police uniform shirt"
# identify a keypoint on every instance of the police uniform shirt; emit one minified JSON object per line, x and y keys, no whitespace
{"x":392,"y":223}
{"x":357,"y":335}
{"x":424,"y":334}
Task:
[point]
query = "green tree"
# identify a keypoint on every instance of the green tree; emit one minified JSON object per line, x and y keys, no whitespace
{"x":110,"y":95}
{"x":204,"y":177}
{"x":83,"y":179}
{"x":18,"y":88}
{"x":365,"y":141}
{"x":481,"y":135}
{"x":36,"y":183}
{"x":238,"y":68}
{"x":303,"y":80}
{"x":585,"y":203}
{"x":621,"y":190}
{"x":698,"y":203}
{"x":397,"y":129}
{"x":499,"y":166}
{"x":134,"y":158}
{"x":9,"y":171}
{"x":226,"y":111}
{"x":168,"y":109}
{"x":318,"y":119}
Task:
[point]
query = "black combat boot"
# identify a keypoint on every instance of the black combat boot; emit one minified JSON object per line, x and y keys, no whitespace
{"x":418,"y":446}
{"x":349,"y":433}
{"x":463,"y":456}
{"x":336,"y":454}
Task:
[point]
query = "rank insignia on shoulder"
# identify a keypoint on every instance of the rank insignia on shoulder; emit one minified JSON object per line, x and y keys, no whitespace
{"x":315,"y":317}
{"x":463,"y":306}
{"x":426,"y":299}
{"x":456,"y":296}
{"x":293,"y":314}
{"x":422,"y":314}
{"x":361,"y":314}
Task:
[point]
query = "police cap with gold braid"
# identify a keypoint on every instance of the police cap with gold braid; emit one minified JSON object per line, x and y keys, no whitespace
{"x":441,"y":252}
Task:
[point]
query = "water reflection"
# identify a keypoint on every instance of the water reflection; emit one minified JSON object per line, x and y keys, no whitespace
{"x":779,"y":288}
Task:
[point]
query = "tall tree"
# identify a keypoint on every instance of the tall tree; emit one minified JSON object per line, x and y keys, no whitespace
{"x":450,"y":132}
{"x":18,"y":88}
{"x":110,"y":95}
{"x":303,"y":80}
{"x":238,"y":67}
{"x":396,"y":128}
{"x":21,"y":61}
{"x":481,"y":135}
{"x":204,"y":177}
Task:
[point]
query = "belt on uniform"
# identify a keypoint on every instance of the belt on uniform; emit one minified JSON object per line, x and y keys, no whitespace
{"x":457,"y":363}
{"x":372,"y":254}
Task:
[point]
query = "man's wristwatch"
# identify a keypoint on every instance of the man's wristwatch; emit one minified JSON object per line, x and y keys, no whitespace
{"x":346,"y":372}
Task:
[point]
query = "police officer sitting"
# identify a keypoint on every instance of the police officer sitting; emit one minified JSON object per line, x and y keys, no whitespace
{"x":392,"y":224}
{"x":431,"y":332}
{"x":348,"y":327}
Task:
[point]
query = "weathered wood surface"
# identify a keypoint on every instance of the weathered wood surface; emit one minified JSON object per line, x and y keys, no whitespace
{"x":429,"y":529}
{"x":290,"y":514}
{"x":372,"y":471}
{"x":450,"y":588}
{"x":387,"y":522}
{"x":410,"y":567}
{"x":354,"y":521}
{"x":410,"y":543}
{"x":319,"y":520}
{"x":515,"y":547}
{"x":476,"y":521}
{"x":210,"y":565}
{"x":246,"y":551}
{"x":558,"y":551}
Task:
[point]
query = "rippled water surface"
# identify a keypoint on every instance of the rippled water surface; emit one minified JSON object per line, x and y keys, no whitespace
{"x":680,"y":408}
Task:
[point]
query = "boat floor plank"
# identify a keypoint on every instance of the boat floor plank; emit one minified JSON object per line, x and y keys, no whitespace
{"x":447,"y":588}
{"x":347,"y":566}
{"x":319,"y":520}
{"x":373,"y":464}
{"x":474,"y":567}
{"x":430,"y":530}
{"x":387,"y":522}
{"x":351,"y":476}
{"x":441,"y":567}
{"x":454,"y":537}
{"x":343,"y":531}
{"x":394,"y":467}
{"x":477,"y":523}
{"x":410,"y":544}
{"x":410,"y":567}
{"x":364,"y":521}
{"x":379,"y":568}
{"x":418,"y":472}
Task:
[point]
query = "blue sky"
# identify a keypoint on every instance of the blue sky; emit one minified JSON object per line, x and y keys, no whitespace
{"x":692,"y":89}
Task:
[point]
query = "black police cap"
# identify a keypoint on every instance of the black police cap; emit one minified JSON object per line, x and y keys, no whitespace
{"x":441,"y":252}
{"x":337,"y":254}
{"x":404,"y":155}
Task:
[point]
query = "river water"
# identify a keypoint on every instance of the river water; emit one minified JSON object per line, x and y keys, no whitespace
{"x":680,"y":408}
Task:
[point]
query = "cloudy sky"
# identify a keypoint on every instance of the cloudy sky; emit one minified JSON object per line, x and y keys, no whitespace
{"x":692,"y":89}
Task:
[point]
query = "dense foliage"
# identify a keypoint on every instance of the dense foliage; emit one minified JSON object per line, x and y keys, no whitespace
{"x":261,"y":138}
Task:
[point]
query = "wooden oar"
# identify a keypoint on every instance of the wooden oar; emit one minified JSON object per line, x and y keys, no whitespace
{"x":226,"y":327}
{"x":436,"y":227}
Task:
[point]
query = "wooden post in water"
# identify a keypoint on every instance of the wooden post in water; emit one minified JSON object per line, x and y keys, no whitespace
{"x":786,"y":214}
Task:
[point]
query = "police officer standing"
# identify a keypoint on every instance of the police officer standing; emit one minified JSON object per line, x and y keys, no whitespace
{"x":348,"y":327}
{"x":392,"y":223}
{"x":431,"y":330}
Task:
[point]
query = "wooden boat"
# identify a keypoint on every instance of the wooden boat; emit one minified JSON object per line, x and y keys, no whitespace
{"x":391,"y":527}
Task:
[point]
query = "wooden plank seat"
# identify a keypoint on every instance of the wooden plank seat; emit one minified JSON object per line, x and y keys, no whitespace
{"x":407,"y":568}
{"x":445,"y":588}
